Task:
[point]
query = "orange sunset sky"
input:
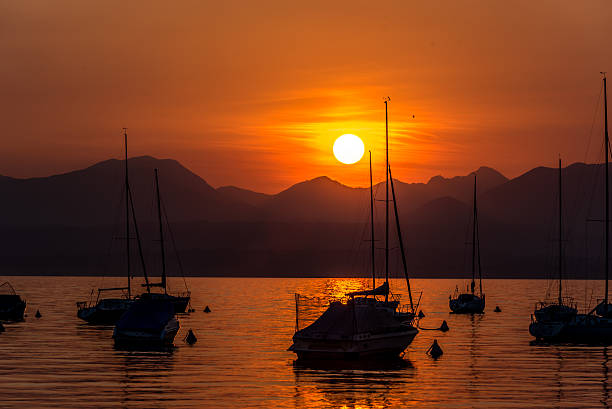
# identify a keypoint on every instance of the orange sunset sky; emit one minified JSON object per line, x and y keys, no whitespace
{"x":254,"y":93}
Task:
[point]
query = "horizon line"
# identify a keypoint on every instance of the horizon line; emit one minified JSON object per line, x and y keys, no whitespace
{"x":294,"y":183}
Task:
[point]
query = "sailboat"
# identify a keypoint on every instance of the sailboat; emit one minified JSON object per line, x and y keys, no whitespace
{"x":180,"y":301}
{"x":150,"y":319}
{"x":406,"y":314}
{"x":107,"y":311}
{"x":12,"y":306}
{"x":471,"y":302}
{"x":363,"y":327}
{"x":549,"y":319}
{"x":594,"y":327}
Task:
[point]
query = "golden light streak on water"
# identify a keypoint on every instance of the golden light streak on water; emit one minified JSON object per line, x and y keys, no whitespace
{"x":240,"y":359}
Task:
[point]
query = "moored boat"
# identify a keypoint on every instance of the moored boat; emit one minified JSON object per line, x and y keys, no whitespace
{"x":549,"y":319}
{"x":354,"y":330}
{"x":467,"y":303}
{"x":12,"y":306}
{"x":106,"y":311}
{"x":148,"y":322}
{"x":594,"y":327}
{"x":179,"y":301}
{"x":471,"y":302}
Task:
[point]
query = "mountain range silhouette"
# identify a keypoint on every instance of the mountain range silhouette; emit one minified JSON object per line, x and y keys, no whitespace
{"x":62,"y":224}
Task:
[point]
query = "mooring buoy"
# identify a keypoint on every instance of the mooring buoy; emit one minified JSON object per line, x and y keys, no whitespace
{"x":38,"y":314}
{"x":444,"y":327}
{"x":190,"y":338}
{"x":421,"y":314}
{"x":207,"y":309}
{"x":497,"y":309}
{"x":434,"y":350}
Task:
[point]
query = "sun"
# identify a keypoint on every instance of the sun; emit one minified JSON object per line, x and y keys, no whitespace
{"x":348,"y":149}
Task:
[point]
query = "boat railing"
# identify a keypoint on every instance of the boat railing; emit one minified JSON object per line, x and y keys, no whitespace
{"x":395,"y":297}
{"x":307,"y":308}
{"x":83,"y":304}
{"x":566,"y":301}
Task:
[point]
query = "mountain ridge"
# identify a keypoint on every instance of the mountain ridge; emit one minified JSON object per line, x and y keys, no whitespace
{"x":62,"y":223}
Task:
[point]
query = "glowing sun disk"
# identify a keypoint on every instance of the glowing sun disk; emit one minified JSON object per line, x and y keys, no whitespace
{"x":348,"y":149}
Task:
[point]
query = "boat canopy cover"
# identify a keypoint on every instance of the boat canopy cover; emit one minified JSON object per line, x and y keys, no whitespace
{"x":147,"y":315}
{"x":8,"y":298}
{"x":467,"y":297}
{"x":381,"y":290}
{"x":341,"y":321}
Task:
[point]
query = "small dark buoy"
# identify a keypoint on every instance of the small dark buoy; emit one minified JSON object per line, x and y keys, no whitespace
{"x":421,"y":314}
{"x":190,"y":338}
{"x":444,"y":327}
{"x":497,"y":309}
{"x":434,"y":350}
{"x":2,"y":327}
{"x":38,"y":314}
{"x":207,"y":309}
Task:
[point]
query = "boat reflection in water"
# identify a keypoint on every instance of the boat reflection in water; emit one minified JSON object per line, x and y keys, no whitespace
{"x":606,"y":392}
{"x":141,"y":374}
{"x":355,"y":384}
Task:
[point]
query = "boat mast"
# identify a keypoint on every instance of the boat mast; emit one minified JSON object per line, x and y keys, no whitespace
{"x":387,"y":196}
{"x":478,"y":250}
{"x":130,"y":201}
{"x":127,"y":216}
{"x":140,"y":252}
{"x":401,"y":242}
{"x":372,"y":225}
{"x":161,"y":234}
{"x":479,"y":264}
{"x":560,"y":236}
{"x":607,"y":221}
{"x":473,"y":285}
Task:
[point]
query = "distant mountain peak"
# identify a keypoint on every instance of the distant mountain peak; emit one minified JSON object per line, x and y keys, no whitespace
{"x":323,"y":179}
{"x":483,"y":171}
{"x":436,"y":179}
{"x":319,"y":181}
{"x":487,"y":171}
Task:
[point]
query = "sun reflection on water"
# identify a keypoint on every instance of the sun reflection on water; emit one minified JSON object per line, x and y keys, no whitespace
{"x":241,"y":357}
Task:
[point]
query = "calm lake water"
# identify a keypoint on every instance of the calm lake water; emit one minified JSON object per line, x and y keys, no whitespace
{"x":240,"y":359}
